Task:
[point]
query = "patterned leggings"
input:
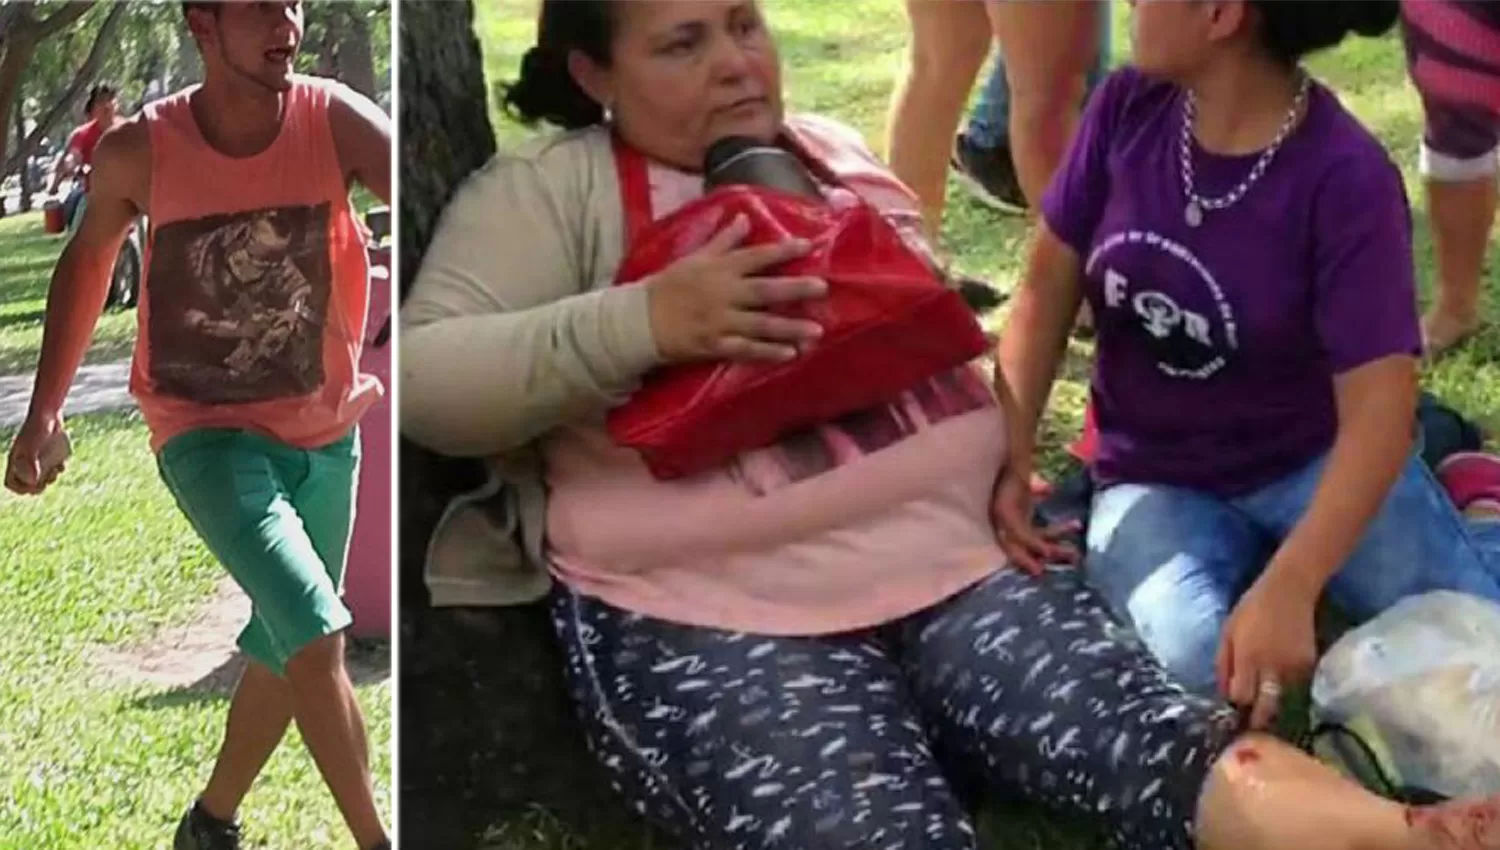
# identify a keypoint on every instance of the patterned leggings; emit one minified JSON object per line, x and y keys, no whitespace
{"x":738,"y":741}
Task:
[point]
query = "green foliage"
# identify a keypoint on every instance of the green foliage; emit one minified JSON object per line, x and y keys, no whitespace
{"x":152,"y":53}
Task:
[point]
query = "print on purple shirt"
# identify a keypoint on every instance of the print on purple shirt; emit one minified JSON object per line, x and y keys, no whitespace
{"x":1217,"y":346}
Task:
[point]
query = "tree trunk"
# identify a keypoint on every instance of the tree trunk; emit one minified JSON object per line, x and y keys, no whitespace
{"x":356,"y":56}
{"x":489,"y":737}
{"x":63,"y":104}
{"x":24,"y":172}
{"x":22,"y":33}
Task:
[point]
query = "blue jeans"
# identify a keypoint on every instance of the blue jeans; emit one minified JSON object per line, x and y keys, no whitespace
{"x":989,"y":123}
{"x":1173,"y":562}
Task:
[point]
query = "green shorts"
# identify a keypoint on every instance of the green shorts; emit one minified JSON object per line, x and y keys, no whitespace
{"x":278,"y":518}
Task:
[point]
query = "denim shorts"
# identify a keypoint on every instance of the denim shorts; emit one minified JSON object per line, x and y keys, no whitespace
{"x":278,"y":518}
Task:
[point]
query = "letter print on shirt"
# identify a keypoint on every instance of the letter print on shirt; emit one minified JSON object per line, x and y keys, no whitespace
{"x":238,"y":304}
{"x":1180,"y":314}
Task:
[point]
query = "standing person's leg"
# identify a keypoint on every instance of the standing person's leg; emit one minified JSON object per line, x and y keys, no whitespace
{"x":325,"y":500}
{"x":948,"y":43}
{"x":1461,"y":193}
{"x":1418,"y":542}
{"x":1172,"y":563}
{"x":1048,"y":48}
{"x":239,"y":491}
{"x":736,"y":741}
{"x":259,"y":713}
{"x":1034,"y":682}
{"x":981,"y":153}
{"x":1458,"y":161}
{"x":261,"y":709}
{"x":989,"y":121}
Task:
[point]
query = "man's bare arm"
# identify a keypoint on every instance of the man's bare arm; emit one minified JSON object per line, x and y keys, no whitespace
{"x":118,"y":191}
{"x":362,"y":135}
{"x":65,"y":162}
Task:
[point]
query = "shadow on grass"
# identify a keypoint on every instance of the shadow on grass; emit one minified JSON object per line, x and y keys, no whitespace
{"x":27,"y":317}
{"x":368,"y":661}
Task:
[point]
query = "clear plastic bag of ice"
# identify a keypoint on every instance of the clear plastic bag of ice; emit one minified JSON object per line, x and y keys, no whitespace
{"x":1420,"y":685}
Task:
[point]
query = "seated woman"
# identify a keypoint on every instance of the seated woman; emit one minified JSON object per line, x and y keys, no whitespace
{"x":775,"y":653}
{"x":1246,"y":246}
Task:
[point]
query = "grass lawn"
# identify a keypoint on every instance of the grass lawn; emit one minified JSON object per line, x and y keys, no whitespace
{"x":104,"y":559}
{"x":841,"y":59}
{"x":27,"y":255}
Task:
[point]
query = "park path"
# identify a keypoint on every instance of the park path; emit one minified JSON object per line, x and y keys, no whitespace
{"x":97,"y":388}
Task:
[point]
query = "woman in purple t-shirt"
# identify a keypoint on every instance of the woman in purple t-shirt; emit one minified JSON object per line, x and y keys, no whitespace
{"x":1246,"y":247}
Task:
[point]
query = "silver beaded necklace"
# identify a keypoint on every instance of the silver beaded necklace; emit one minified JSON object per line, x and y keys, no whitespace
{"x":1197,"y":204}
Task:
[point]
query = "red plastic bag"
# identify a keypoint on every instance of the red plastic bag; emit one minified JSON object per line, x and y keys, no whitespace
{"x":889,"y":321}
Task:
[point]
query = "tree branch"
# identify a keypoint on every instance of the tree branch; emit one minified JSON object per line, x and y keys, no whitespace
{"x":81,"y":78}
{"x":69,"y":13}
{"x":9,"y":14}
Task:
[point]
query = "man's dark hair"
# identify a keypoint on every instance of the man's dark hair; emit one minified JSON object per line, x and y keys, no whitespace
{"x":198,"y":4}
{"x":100,"y":91}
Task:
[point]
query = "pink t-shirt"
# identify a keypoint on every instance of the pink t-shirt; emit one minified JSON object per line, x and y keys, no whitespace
{"x":851,"y":524}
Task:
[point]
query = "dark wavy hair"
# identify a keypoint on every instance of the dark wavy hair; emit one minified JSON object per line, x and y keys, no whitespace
{"x":199,"y":4}
{"x":1292,"y":29}
{"x":545,"y":90}
{"x":100,"y":91}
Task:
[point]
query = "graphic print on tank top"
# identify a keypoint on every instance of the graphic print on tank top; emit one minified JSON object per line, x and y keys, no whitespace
{"x":811,"y":452}
{"x":238,"y":305}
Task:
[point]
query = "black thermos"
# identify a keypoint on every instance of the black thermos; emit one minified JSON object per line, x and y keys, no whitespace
{"x":742,"y":160}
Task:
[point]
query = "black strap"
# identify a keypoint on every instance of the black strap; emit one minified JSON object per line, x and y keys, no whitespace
{"x":1409,"y":794}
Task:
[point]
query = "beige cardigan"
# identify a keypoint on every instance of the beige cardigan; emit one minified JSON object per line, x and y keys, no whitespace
{"x":513,"y":327}
{"x":495,"y":352}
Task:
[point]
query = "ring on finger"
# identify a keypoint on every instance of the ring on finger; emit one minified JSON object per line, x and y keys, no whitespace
{"x":1270,"y":688}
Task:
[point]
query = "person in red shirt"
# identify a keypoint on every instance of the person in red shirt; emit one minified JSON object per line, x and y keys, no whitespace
{"x":102,"y":110}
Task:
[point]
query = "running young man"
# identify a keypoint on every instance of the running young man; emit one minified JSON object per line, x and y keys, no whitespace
{"x":245,"y":369}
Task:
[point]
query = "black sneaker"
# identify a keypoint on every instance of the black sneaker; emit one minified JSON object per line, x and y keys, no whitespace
{"x":989,"y":173}
{"x":980,"y":295}
{"x":201,"y":831}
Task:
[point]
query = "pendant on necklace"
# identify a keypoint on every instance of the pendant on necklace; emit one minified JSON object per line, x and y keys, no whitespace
{"x":1193,"y":214}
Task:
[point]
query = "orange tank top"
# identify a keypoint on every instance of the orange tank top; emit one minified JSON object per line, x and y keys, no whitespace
{"x":252,"y":312}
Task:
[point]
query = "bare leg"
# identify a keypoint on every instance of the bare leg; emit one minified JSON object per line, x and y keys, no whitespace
{"x":1462,"y":215}
{"x":948,"y":45}
{"x":1265,"y":795}
{"x":1049,"y":48}
{"x":328,"y":715}
{"x":258,"y":718}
